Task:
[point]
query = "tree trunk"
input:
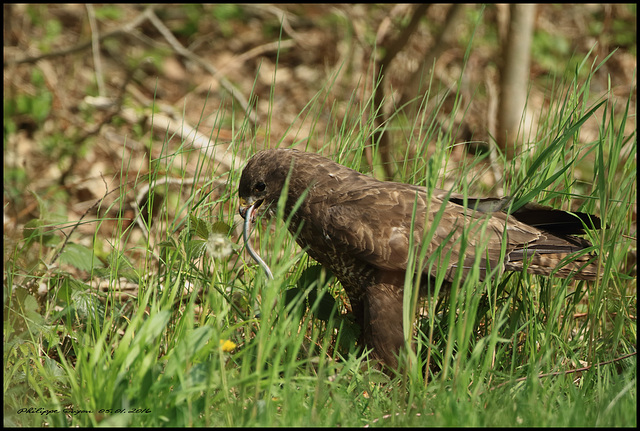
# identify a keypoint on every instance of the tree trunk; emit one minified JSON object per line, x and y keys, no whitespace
{"x":514,"y":76}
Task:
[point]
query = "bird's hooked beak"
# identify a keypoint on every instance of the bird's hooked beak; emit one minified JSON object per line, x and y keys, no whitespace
{"x":249,"y":207}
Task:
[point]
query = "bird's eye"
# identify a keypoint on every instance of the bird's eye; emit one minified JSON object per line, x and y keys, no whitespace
{"x":260,"y":186}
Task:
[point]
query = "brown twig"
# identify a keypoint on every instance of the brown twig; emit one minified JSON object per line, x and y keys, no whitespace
{"x":283,"y":17}
{"x":566,"y":372}
{"x":224,"y":82}
{"x":125,"y":29}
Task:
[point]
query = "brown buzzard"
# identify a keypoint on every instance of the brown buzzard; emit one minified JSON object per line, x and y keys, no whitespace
{"x":360,"y":229}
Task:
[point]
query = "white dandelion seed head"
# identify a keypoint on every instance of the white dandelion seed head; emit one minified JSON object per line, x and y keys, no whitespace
{"x":218,"y":246}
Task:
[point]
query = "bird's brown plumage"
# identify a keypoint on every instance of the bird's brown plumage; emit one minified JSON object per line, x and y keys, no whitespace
{"x":361,"y":229}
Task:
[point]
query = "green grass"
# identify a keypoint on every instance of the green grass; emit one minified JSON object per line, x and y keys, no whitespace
{"x":209,"y":341}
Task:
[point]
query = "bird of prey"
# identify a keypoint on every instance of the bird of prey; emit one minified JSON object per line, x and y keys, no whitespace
{"x":362,"y":229}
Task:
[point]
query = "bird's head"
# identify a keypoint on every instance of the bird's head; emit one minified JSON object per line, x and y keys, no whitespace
{"x":263,"y":179}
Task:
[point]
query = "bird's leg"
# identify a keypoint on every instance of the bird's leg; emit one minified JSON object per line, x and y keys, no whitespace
{"x":383,"y":321}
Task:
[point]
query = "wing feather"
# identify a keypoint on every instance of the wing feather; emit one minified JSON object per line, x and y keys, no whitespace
{"x":372,"y":220}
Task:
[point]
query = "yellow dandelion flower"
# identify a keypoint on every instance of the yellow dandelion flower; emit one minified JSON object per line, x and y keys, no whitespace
{"x":227,"y":345}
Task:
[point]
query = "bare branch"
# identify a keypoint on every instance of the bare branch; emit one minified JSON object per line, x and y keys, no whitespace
{"x":393,"y":48}
{"x":178,"y":48}
{"x":125,"y":29}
